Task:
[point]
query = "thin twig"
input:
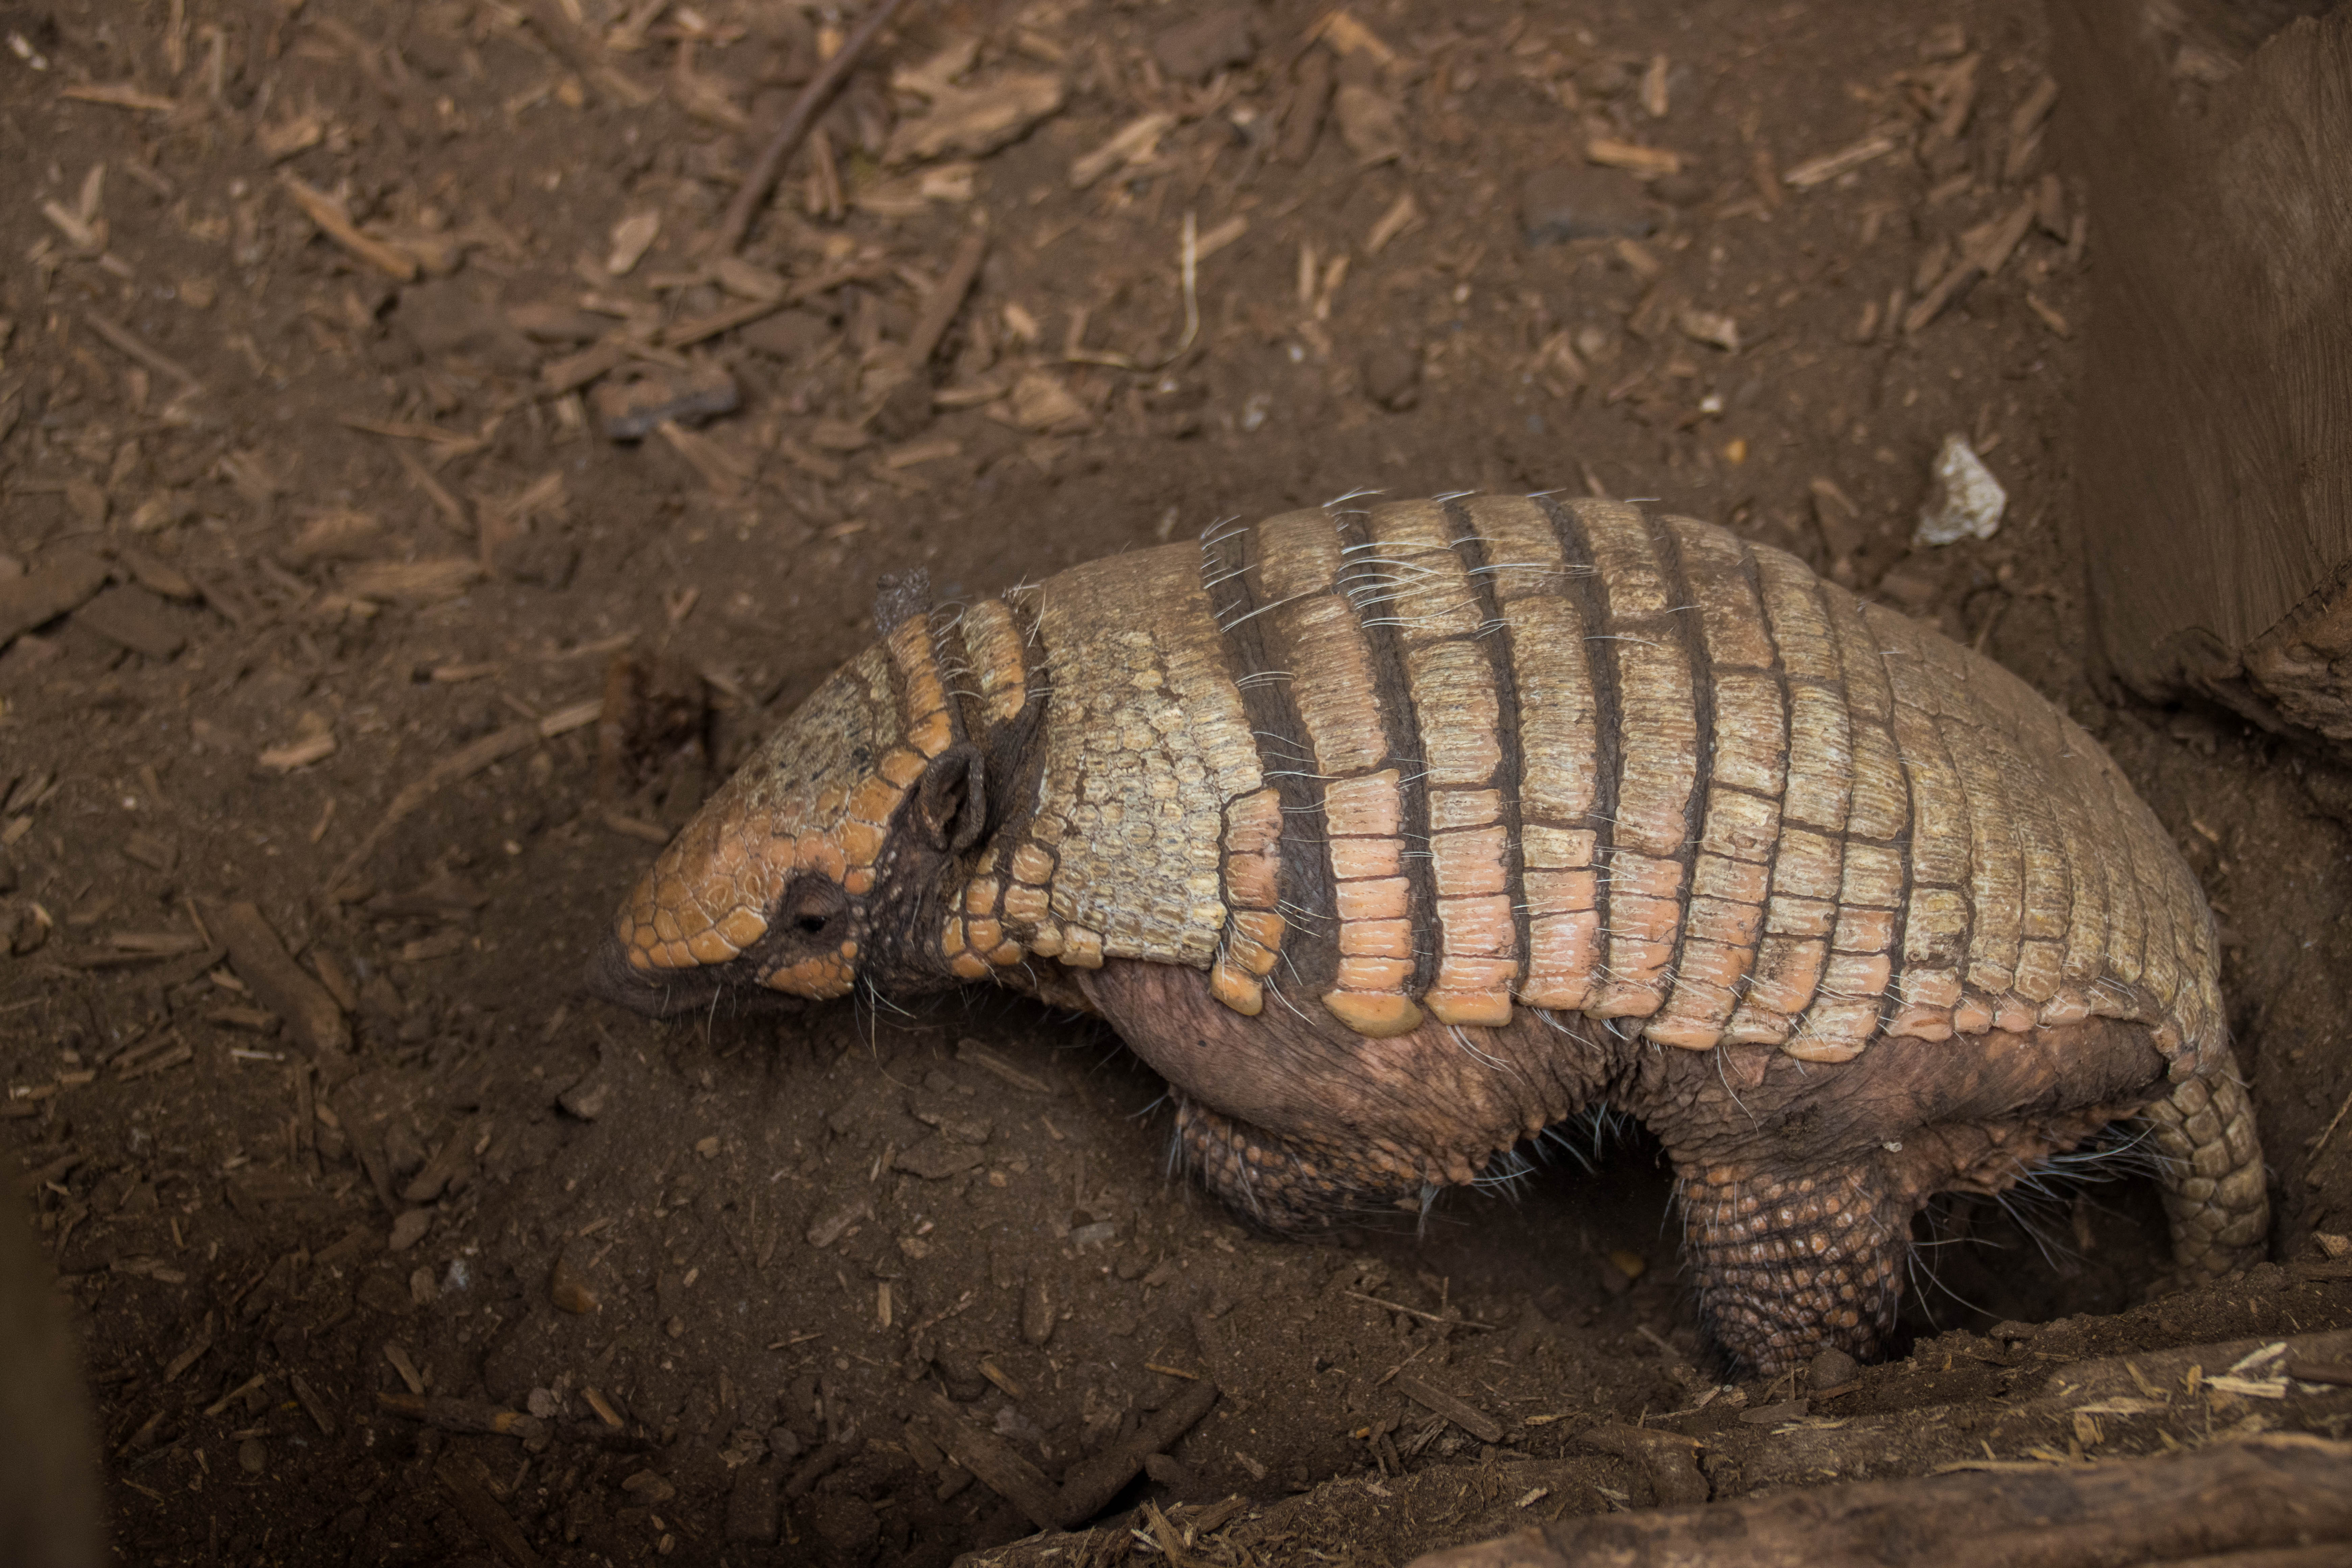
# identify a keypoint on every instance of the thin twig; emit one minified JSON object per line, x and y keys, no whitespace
{"x":138,"y":348}
{"x":802,"y":114}
{"x":2341,"y":1109}
{"x":947,"y":298}
{"x":1415,"y":1311}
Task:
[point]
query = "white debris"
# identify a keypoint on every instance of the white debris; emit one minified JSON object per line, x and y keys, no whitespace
{"x":1964,"y":500}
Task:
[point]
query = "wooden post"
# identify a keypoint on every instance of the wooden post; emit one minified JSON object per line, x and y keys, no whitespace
{"x":2214,"y":470}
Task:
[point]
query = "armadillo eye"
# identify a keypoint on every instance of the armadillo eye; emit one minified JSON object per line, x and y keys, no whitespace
{"x":811,"y":905}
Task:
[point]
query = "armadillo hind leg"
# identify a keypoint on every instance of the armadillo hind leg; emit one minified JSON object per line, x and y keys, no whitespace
{"x":1789,"y":1266}
{"x":2212,"y":1171}
{"x":1286,"y":1183}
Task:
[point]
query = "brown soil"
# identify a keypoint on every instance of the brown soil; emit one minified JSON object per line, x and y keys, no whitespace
{"x":355,"y":534}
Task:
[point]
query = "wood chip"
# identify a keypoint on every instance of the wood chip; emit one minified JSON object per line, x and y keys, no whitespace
{"x":458,"y":1414}
{"x":300,"y":753}
{"x":63,"y":580}
{"x":449,"y":1163}
{"x":1467,"y":1416}
{"x":1089,"y":1485}
{"x":194,"y":1351}
{"x":120,"y":95}
{"x":632,"y":238}
{"x":134,"y":618}
{"x":1217,"y":238}
{"x":413,"y":582}
{"x":999,"y":1466}
{"x":483,"y":1512}
{"x":334,"y":220}
{"x":916,"y":452}
{"x":1404,"y":214}
{"x":1645,"y":162}
{"x":279,"y":984}
{"x":2027,"y":118}
{"x":973,"y":1053}
{"x":573,"y":372}
{"x":397,"y":1354}
{"x":977,"y":119}
{"x":239,"y":1392}
{"x":320,"y":1416}
{"x":458,"y":441}
{"x":159,"y":576}
{"x":1131,"y":143}
{"x":1828,"y":167}
{"x":1347,"y":36}
{"x":1711,"y":327}
{"x":1987,"y":249}
{"x":2048,"y":313}
{"x":721,"y":469}
{"x":940,"y":305}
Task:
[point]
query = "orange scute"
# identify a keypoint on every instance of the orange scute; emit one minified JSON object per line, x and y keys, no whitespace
{"x":873,"y":800}
{"x":820,"y":853}
{"x":861,"y":842}
{"x":819,"y":979}
{"x":1380,"y":1017}
{"x":933,"y":735}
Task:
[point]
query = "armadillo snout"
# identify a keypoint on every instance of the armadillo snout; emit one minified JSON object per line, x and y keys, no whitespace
{"x":657,"y":993}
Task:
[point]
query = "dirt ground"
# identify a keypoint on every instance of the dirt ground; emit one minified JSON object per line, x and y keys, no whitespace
{"x":316,"y":322}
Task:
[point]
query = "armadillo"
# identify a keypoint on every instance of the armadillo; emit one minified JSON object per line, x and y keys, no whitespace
{"x":1392,"y":835}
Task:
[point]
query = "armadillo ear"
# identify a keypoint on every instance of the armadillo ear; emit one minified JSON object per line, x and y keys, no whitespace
{"x":953,"y":799}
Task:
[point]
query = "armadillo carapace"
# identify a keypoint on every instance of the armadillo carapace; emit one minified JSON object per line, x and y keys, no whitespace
{"x":1393,"y":834}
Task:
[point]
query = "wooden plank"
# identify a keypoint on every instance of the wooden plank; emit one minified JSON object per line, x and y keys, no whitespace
{"x":2272,"y":1498}
{"x":2214,"y":485}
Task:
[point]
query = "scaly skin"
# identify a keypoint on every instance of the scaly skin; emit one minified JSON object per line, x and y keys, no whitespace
{"x":1392,"y":835}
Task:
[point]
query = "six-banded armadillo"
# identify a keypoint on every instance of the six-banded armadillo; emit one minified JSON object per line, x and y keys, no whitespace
{"x":1392,"y":834}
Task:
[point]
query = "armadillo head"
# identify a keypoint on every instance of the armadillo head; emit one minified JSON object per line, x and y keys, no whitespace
{"x":805,"y":871}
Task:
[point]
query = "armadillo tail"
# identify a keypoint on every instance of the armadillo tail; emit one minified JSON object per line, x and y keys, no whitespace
{"x":2212,"y":1173}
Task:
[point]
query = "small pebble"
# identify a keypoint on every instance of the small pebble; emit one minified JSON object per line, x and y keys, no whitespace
{"x":1572,"y":202}
{"x":585,"y":1098}
{"x":410,"y":1228}
{"x":251,"y":1456}
{"x":1831,"y":1367}
{"x":1964,"y":500}
{"x":569,"y":1291}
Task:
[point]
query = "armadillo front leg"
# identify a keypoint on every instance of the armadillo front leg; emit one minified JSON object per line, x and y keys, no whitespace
{"x":1286,"y":1183}
{"x":1789,"y":1265}
{"x":2212,"y":1172}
